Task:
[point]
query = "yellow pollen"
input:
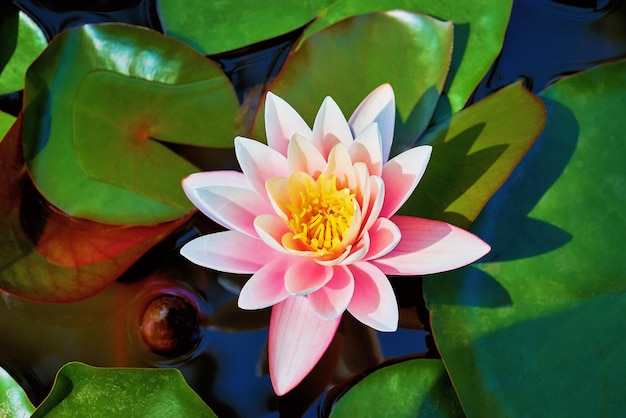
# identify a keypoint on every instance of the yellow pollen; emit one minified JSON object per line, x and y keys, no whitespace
{"x":320,"y":214}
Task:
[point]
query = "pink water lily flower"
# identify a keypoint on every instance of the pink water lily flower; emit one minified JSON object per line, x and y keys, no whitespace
{"x":312,"y":218}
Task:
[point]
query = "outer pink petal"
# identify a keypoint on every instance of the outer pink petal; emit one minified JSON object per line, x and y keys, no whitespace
{"x":232,"y":207}
{"x":259,"y":163}
{"x":428,"y":247}
{"x":330,"y":127}
{"x":229,"y":251}
{"x":304,"y":276}
{"x":384,"y":236}
{"x":367,"y":148}
{"x":332,"y":300}
{"x":373,"y":301}
{"x":298,"y":338}
{"x":401,"y":175}
{"x":214,"y":178}
{"x":266,"y":287}
{"x":282,"y":122}
{"x":304,"y":156}
{"x":380,"y":107}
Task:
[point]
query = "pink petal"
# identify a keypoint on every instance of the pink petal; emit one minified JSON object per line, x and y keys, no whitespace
{"x":281,"y":123}
{"x":228,"y":251}
{"x":214,"y":178}
{"x":330,"y":127}
{"x":384,"y":236}
{"x":304,"y":276}
{"x":428,"y":247}
{"x":332,"y":300}
{"x":304,"y":156}
{"x":380,"y":107}
{"x":376,"y":201}
{"x":232,"y":207}
{"x":266,"y":287}
{"x":298,"y":338}
{"x":367,"y":148}
{"x":259,"y":163}
{"x":373,"y":301}
{"x":401,"y":176}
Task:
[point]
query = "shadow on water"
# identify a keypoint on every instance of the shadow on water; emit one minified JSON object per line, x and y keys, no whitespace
{"x":505,"y":222}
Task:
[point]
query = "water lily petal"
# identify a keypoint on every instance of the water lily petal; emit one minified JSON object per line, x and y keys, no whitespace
{"x":330,"y":127}
{"x":401,"y":175}
{"x":304,"y":156}
{"x":331,"y":300}
{"x":384,"y":236}
{"x":271,"y":230}
{"x":304,"y":276}
{"x":298,"y":338}
{"x":259,"y":163}
{"x":282,"y":122}
{"x":376,"y":201}
{"x":228,"y":251}
{"x":340,"y":165}
{"x":214,"y":178}
{"x":373,"y":301}
{"x":367,"y":148}
{"x":428,"y":247}
{"x":266,"y":287}
{"x":232,"y":207}
{"x":379,"y":106}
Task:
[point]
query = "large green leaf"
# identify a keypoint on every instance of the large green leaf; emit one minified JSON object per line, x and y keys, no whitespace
{"x":13,"y":400}
{"x":479,"y":28}
{"x":350,"y":59}
{"x":536,"y":330}
{"x":412,"y":388}
{"x":80,"y":391}
{"x":21,"y":41}
{"x":218,"y":26}
{"x":100,"y":105}
{"x":6,"y":121}
{"x":54,"y":257}
{"x":473,"y":154}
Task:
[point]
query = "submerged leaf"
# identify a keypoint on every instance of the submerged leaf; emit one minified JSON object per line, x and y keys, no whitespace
{"x":13,"y":400}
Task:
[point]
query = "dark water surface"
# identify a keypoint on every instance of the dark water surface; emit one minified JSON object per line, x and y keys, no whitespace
{"x":546,"y":40}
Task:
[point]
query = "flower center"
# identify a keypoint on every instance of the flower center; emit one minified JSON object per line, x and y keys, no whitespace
{"x":320,"y":214}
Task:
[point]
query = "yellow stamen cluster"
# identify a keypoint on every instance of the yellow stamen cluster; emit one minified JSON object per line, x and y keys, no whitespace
{"x":320,"y":214}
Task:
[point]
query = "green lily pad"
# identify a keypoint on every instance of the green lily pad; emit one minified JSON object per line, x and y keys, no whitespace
{"x":473,"y":154}
{"x":214,"y":27}
{"x":536,"y":329}
{"x":6,"y":121}
{"x":54,"y":257}
{"x":13,"y":402}
{"x":21,"y":41}
{"x":348,"y":60}
{"x":101,"y":105}
{"x":413,"y":388}
{"x":80,"y":390}
{"x":479,"y":28}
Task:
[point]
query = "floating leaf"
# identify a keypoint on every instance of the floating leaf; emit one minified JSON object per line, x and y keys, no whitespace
{"x":81,"y":390}
{"x":479,"y":28}
{"x":6,"y":121}
{"x":21,"y":41}
{"x":13,"y":400}
{"x":214,"y":27}
{"x":54,"y":257}
{"x":96,"y":132}
{"x":413,"y":388}
{"x":350,"y":59}
{"x":473,"y":154}
{"x":540,"y":319}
